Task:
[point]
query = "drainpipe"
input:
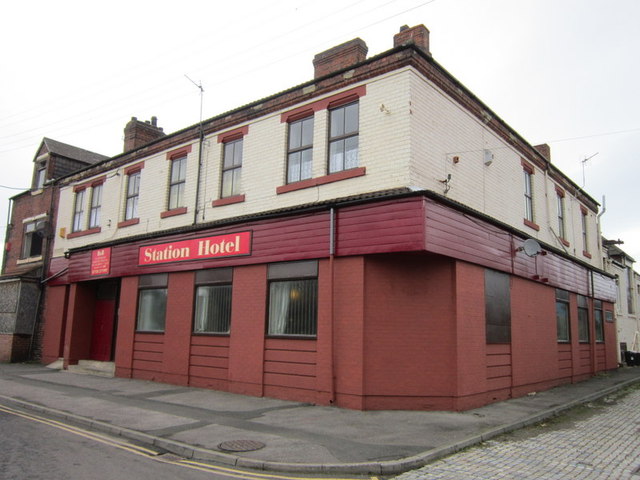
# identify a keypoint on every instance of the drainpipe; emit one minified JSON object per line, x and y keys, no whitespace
{"x":599,"y":232}
{"x":332,"y":227}
{"x":200,"y":145}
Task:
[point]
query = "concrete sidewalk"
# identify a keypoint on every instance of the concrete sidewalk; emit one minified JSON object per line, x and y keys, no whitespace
{"x":292,"y":437}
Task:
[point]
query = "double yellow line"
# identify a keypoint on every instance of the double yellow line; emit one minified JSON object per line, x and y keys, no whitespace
{"x":155,"y":455}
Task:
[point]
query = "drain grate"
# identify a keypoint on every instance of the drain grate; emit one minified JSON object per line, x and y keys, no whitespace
{"x":241,"y":445}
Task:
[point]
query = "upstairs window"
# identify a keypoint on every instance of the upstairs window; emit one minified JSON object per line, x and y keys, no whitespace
{"x":293,"y":299}
{"x":299,"y":160}
{"x":528,"y":195}
{"x":78,"y":211}
{"x":561,"y":222}
{"x":343,"y":137}
{"x":232,"y":168}
{"x":585,"y":237}
{"x":41,"y":176}
{"x":562,"y":315}
{"x":33,"y":239}
{"x":133,"y":194}
{"x":177,"y":182}
{"x":96,"y":204}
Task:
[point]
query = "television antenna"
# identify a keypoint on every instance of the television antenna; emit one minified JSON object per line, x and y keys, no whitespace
{"x":583,"y":164}
{"x":199,"y":86}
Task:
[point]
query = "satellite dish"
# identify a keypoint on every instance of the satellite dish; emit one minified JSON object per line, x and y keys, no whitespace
{"x":531,"y":247}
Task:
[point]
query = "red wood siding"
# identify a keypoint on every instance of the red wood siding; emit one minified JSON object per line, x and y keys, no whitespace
{"x":565,"y":361}
{"x":290,"y":365}
{"x":499,"y":370}
{"x":209,"y":362}
{"x":148,"y":349}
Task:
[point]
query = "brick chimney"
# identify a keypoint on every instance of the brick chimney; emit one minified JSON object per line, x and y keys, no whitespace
{"x":137,"y":133}
{"x":418,"y":36}
{"x":343,"y":56}
{"x":544,"y":150}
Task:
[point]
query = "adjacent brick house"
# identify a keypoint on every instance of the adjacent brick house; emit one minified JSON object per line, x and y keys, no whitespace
{"x":28,"y":245}
{"x":376,"y":238}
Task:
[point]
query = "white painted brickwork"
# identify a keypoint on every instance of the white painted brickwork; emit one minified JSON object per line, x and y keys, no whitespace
{"x":410,"y":133}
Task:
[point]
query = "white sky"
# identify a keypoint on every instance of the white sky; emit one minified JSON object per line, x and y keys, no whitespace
{"x":563,"y":72}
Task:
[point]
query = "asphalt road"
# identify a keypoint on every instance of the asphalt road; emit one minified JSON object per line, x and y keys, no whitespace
{"x":33,"y":447}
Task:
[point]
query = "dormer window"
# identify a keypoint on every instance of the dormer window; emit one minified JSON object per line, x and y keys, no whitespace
{"x":40,"y":177}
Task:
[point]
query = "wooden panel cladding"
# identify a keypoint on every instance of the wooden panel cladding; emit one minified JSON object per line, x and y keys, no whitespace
{"x":384,"y":227}
{"x":600,"y":357}
{"x":499,"y":368}
{"x":584,"y":359}
{"x":209,"y":361}
{"x":290,"y":364}
{"x":458,"y":235}
{"x":147,"y":356}
{"x":565,"y":361}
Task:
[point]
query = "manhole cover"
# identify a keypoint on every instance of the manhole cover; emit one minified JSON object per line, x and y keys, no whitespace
{"x":241,"y":445}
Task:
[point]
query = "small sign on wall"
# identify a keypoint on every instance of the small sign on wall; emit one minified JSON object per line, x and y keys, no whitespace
{"x":101,"y":261}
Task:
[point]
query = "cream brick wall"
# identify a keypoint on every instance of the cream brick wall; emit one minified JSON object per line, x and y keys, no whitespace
{"x":383,"y":150}
{"x":442,"y":130}
{"x":410,"y":133}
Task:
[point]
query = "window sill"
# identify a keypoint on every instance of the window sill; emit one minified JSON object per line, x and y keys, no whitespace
{"x":174,"y":212}
{"x":565,"y":242}
{"x":22,"y":261}
{"x":228,"y":200}
{"x":211,"y":334}
{"x":82,"y":233}
{"x":128,"y":223}
{"x":586,"y":254}
{"x":292,"y":337}
{"x":530,"y":224}
{"x":314,"y":182}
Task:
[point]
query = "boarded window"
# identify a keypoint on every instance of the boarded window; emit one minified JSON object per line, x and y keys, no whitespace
{"x":497,"y":299}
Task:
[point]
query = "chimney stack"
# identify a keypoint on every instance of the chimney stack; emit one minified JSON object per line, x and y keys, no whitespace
{"x":137,"y":133}
{"x":544,"y":150}
{"x":418,"y":36}
{"x":337,"y":58}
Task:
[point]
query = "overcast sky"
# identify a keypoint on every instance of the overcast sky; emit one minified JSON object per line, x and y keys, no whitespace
{"x":562,"y":72}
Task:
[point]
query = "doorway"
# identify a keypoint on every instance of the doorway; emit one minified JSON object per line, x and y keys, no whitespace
{"x":105,"y":321}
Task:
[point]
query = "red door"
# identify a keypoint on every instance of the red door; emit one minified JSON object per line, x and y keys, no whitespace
{"x":104,"y":321}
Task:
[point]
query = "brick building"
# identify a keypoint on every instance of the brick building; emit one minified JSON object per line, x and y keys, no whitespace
{"x":28,"y":244}
{"x":376,"y":238}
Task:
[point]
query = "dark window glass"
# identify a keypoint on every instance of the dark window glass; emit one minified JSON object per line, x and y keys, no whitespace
{"x":528,"y":196}
{"x":583,"y":319}
{"x":497,"y":294}
{"x":598,"y":320}
{"x":96,"y":204}
{"x":562,"y":315}
{"x":212,"y":312}
{"x":33,"y":239}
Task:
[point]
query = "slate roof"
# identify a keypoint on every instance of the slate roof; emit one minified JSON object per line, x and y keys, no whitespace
{"x":75,"y":153}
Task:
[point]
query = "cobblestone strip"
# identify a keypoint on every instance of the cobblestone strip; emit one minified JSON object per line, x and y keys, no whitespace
{"x":605,"y":446}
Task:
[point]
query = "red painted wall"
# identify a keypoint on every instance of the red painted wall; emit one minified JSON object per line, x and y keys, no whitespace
{"x":127,"y":311}
{"x":209,"y":362}
{"x":178,"y":327}
{"x":409,"y":332}
{"x":55,"y":312}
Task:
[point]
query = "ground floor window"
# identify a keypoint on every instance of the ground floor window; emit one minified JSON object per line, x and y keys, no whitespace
{"x":583,"y":319}
{"x":293,"y":299}
{"x":562,"y":315}
{"x":152,"y":303}
{"x":598,"y":319}
{"x":212,"y":313}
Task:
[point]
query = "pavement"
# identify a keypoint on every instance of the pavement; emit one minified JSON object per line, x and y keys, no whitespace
{"x":277,"y":435}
